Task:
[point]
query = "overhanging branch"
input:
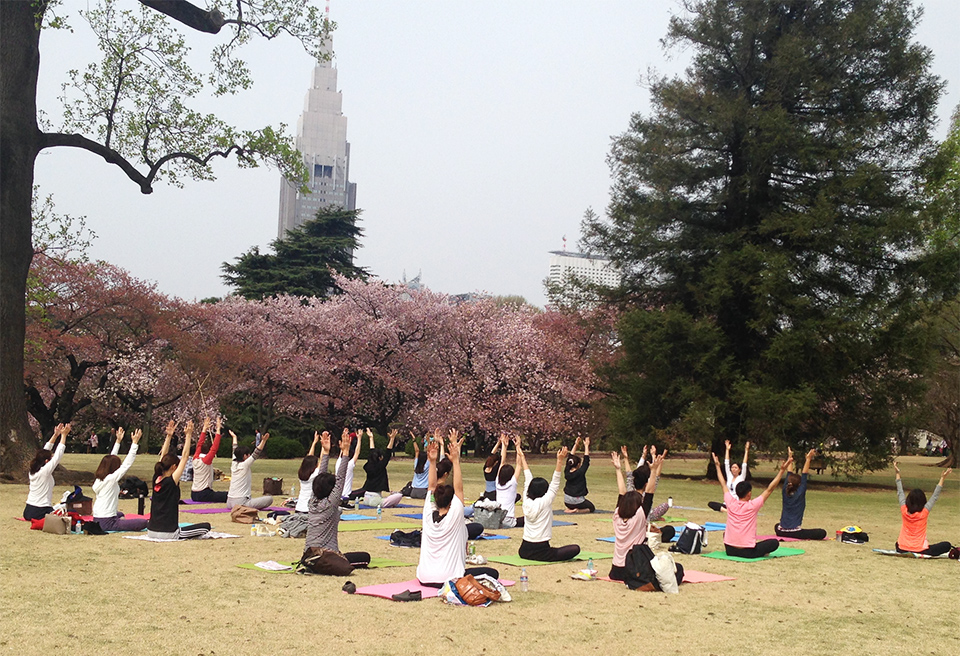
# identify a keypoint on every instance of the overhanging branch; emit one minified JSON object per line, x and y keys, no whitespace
{"x":189,"y":14}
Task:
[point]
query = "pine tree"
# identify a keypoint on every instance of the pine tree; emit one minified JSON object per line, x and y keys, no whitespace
{"x":303,"y":261}
{"x":765,"y":219}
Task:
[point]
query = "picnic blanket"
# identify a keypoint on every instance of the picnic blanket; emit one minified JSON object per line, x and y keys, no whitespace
{"x":906,"y":554}
{"x":781,"y":552}
{"x":517,"y":561}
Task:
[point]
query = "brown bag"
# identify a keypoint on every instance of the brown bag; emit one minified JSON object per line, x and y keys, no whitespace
{"x":273,"y":487}
{"x":56,"y":524}
{"x":324,"y":561}
{"x":474,"y":594}
{"x":244,"y":515}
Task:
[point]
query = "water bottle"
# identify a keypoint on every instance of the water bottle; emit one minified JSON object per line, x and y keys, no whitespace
{"x":590,"y":564}
{"x":253,"y":530}
{"x":293,"y":490}
{"x":473,"y":548}
{"x":379,"y":512}
{"x":524,"y":580}
{"x":78,"y":528}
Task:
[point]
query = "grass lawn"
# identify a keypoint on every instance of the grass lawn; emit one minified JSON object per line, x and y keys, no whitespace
{"x":108,"y":595}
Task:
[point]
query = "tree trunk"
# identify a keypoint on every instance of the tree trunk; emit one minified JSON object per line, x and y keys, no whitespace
{"x":19,"y":143}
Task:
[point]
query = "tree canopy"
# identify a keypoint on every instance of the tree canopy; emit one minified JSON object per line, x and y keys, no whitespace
{"x":304,"y":262}
{"x":765,"y":219}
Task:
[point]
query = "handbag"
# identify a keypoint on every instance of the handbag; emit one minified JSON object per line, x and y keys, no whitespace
{"x":56,"y":524}
{"x":244,"y":515}
{"x":474,"y":594}
{"x":273,"y":487}
{"x":317,"y":560}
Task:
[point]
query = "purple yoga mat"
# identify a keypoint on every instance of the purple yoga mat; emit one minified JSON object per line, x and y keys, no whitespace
{"x":214,"y":511}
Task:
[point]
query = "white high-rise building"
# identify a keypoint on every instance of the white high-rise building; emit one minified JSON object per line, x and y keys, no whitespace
{"x":322,"y":138}
{"x":582,"y":266}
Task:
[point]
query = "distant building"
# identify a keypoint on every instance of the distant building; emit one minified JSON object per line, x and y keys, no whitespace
{"x":584,"y":267}
{"x":322,"y":138}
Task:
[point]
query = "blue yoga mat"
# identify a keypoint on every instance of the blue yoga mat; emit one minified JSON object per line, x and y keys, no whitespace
{"x":482,"y":537}
{"x":353,"y":517}
{"x":364,"y":506}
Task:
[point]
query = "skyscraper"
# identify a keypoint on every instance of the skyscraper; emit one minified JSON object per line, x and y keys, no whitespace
{"x":322,"y":138}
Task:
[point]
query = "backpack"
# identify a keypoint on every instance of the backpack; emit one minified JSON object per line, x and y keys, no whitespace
{"x":852,"y":535}
{"x":316,"y":560}
{"x":691,"y":540}
{"x":640,"y":572}
{"x":132,"y":487}
{"x":488,"y":514}
{"x":406,"y":538}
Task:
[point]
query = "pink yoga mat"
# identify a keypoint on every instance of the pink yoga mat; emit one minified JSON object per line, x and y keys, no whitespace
{"x":89,"y":518}
{"x":387,"y":590}
{"x":215,"y":511}
{"x":689,"y":576}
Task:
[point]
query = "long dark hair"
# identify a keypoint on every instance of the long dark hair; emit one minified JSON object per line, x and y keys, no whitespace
{"x":421,"y":462}
{"x":916,"y":500}
{"x":43,"y":457}
{"x":506,"y":473}
{"x":307,"y":467}
{"x":165,"y":463}
{"x":629,"y":504}
{"x":443,"y":497}
{"x":493,"y":461}
{"x":444,"y":467}
{"x":108,"y":465}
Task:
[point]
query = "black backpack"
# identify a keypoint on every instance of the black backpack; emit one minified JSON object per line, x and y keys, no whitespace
{"x":691,"y":540}
{"x":132,"y":487}
{"x":406,"y":538}
{"x":639,"y":570}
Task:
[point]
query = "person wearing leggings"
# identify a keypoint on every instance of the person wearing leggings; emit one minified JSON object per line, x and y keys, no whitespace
{"x":740,"y":536}
{"x":202,"y":488}
{"x":106,"y":486}
{"x":914,"y":510}
{"x":241,"y":476}
{"x":443,"y":545}
{"x":324,"y":507}
{"x":575,"y":490}
{"x":165,"y":502}
{"x":794,"y":504}
{"x":538,"y":496}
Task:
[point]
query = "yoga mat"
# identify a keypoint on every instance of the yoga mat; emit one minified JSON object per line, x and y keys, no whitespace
{"x":556,"y":522}
{"x":364,"y":506}
{"x":485,"y":536}
{"x":212,"y":535}
{"x":375,"y":563}
{"x":662,"y":519}
{"x":715,"y":526}
{"x":689,"y":576}
{"x":89,"y":518}
{"x":353,"y":517}
{"x":420,"y":515}
{"x":906,"y":554}
{"x":191,"y":502}
{"x":215,"y":511}
{"x":778,"y":538}
{"x":595,"y":512}
{"x":387,"y":590}
{"x":375,"y":526}
{"x":781,"y":552}
{"x":517,"y":561}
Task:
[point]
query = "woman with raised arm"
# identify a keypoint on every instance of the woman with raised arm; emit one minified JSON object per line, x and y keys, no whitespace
{"x":914,"y":510}
{"x":164,"y":522}
{"x":241,"y":476}
{"x":352,"y":457}
{"x":376,"y":466}
{"x":309,"y":470}
{"x":421,"y":472}
{"x":507,"y":484}
{"x":106,"y":486}
{"x":443,"y":545}
{"x":795,"y":503}
{"x":538,"y":496}
{"x":324,"y":506}
{"x":202,"y":488}
{"x":40,"y":497}
{"x":636,"y":479}
{"x":740,"y":536}
{"x":575,"y":490}
{"x":491,"y":469}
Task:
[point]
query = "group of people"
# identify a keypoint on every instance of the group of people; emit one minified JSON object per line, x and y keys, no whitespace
{"x":437,"y":478}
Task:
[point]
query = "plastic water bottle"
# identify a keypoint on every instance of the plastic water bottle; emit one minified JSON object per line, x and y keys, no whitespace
{"x":590,"y":564}
{"x":379,"y":512}
{"x":524,"y":580}
{"x":473,"y":548}
{"x":77,"y":528}
{"x":293,"y":490}
{"x":253,"y":530}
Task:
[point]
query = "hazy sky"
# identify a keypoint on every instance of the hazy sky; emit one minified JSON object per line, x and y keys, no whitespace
{"x":479,"y":134}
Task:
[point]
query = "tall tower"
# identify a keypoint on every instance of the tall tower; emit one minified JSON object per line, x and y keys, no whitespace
{"x":322,"y":138}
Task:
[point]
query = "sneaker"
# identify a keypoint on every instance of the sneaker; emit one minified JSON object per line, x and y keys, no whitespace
{"x":954,"y":553}
{"x":407,"y":595}
{"x":349,"y":587}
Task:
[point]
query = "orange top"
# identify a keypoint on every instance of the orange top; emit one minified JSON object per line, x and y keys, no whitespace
{"x":913,"y":531}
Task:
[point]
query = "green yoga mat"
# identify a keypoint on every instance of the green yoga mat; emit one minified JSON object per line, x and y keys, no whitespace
{"x":781,"y":552}
{"x":376,"y":526}
{"x":517,"y":561}
{"x":375,"y":563}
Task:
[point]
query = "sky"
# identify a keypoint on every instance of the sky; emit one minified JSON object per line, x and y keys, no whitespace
{"x":479,"y":135}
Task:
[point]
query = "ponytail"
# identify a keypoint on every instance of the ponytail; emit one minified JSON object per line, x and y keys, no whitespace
{"x":165,"y":463}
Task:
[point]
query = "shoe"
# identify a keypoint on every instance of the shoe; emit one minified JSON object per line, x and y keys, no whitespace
{"x":349,"y":587}
{"x":407,"y":595}
{"x":954,"y":553}
{"x":715,"y":505}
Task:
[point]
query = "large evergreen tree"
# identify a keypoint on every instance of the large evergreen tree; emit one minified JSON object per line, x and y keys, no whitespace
{"x":765,"y":219}
{"x":304,"y":261}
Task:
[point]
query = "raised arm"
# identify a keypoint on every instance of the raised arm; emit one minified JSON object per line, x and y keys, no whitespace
{"x":720,"y":478}
{"x":937,"y":490}
{"x":455,"y":443}
{"x":392,"y":435}
{"x":203,"y":437}
{"x":784,"y":468}
{"x":212,"y":453}
{"x":325,"y":450}
{"x":586,"y":446}
{"x":185,"y":453}
{"x":369,"y":437}
{"x":356,"y":454}
{"x":726,"y":460}
{"x":433,"y":453}
{"x":258,"y":452}
{"x":576,"y":444}
{"x":621,"y":484}
{"x":171,"y":428}
{"x":625,"y":458}
{"x":746,"y":457}
{"x":233,"y":436}
{"x":655,"y":468}
{"x":806,"y":462}
{"x":116,"y":443}
{"x":53,"y":438}
{"x":316,"y":438}
{"x":901,"y":497}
